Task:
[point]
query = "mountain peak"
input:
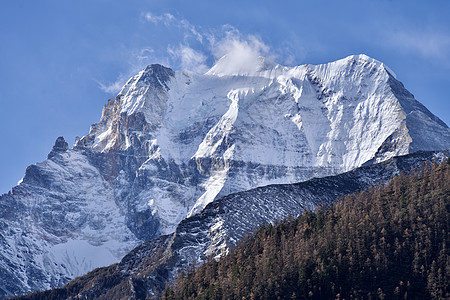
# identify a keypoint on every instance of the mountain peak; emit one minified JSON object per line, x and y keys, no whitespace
{"x":361,"y":56}
{"x":157,"y":70}
{"x":364,"y":59}
{"x":154,"y":75}
{"x":60,"y":146}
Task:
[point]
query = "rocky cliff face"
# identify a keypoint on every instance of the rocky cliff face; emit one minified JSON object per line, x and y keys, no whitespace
{"x":172,"y":142}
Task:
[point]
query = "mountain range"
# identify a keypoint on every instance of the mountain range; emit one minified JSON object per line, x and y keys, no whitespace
{"x":171,"y":143}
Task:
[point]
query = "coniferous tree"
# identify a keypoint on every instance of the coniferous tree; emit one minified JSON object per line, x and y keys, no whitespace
{"x":390,"y":242}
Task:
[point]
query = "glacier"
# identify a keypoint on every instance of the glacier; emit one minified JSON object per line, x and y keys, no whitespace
{"x":171,"y":142}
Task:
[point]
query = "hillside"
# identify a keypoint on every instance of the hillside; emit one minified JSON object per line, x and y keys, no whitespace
{"x":390,"y":242}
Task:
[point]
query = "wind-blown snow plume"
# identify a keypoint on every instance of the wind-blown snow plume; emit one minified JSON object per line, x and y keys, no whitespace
{"x":242,"y":55}
{"x":190,"y":59}
{"x":198,"y":50}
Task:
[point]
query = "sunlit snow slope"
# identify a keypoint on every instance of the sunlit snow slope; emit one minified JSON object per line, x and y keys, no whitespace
{"x":172,"y":142}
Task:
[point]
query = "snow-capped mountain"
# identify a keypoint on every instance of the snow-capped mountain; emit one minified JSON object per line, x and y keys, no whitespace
{"x":198,"y":137}
{"x":172,"y":142}
{"x":144,"y":272}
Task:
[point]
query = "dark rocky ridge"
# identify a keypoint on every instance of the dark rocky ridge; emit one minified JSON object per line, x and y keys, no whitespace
{"x":60,"y":146}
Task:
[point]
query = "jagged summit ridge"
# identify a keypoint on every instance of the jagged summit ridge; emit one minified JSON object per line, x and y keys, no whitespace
{"x":171,"y":142}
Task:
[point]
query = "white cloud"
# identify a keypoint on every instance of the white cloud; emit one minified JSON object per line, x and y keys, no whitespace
{"x":243,"y":52}
{"x":238,"y":54}
{"x":425,"y":43}
{"x":166,"y":18}
{"x":236,"y":46}
{"x":190,"y":59}
{"x":170,"y":20}
{"x":196,"y":52}
{"x":144,"y":54}
{"x":114,"y":87}
{"x":200,"y":46}
{"x":136,"y":60}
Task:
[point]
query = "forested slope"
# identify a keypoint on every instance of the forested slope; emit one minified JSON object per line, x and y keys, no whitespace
{"x":390,"y":242}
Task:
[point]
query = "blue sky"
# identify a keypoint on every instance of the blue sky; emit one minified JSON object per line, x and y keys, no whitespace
{"x":61,"y":60}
